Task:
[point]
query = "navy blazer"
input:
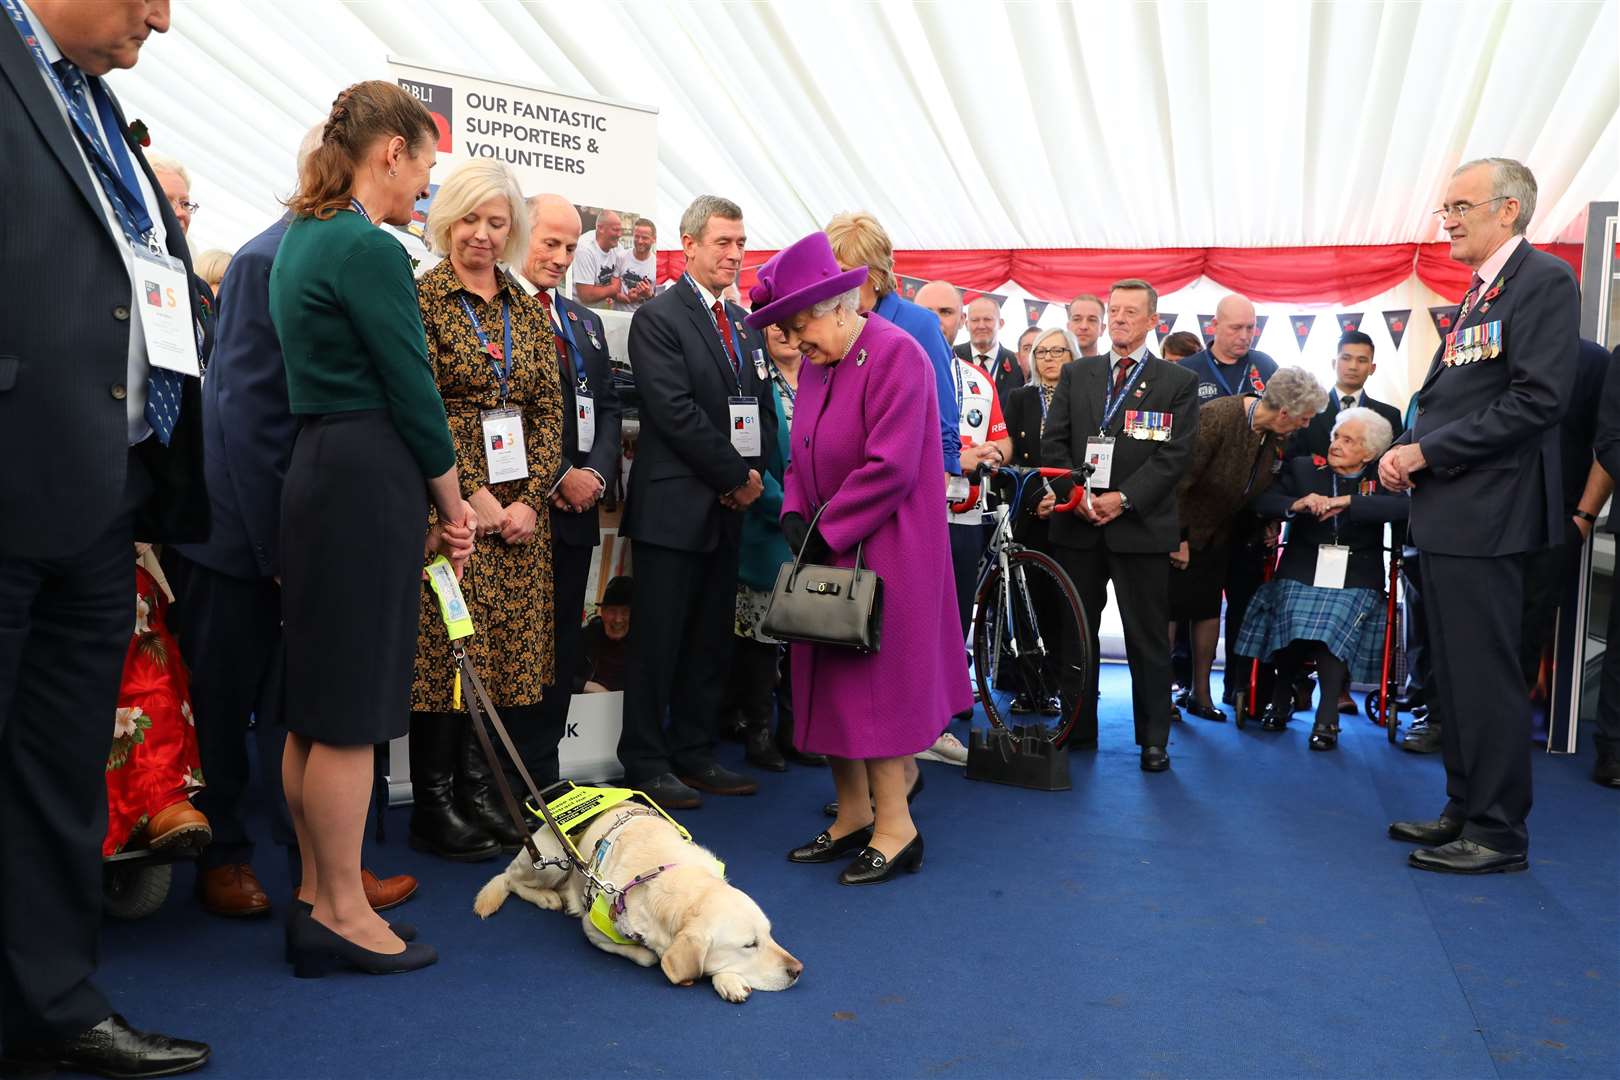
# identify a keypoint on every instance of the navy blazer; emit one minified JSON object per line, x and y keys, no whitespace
{"x":1578,"y":432}
{"x":1147,"y":471}
{"x":1360,"y":527}
{"x":684,"y":459}
{"x":1004,"y":369}
{"x":593,"y":362}
{"x":64,"y":354}
{"x":1489,"y":430}
{"x":248,"y":428}
{"x":1607,"y":443}
{"x":1315,"y":438}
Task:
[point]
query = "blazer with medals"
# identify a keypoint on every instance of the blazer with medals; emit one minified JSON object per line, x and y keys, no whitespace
{"x":1489,"y":428}
{"x":590,"y":362}
{"x":1145,"y":470}
{"x":1003,"y":368}
{"x":684,"y":458}
{"x":65,"y":353}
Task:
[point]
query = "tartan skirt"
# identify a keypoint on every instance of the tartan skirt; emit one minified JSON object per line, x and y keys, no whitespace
{"x":1350,"y":622}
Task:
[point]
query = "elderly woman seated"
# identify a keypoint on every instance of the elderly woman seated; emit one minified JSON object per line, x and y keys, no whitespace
{"x":1326,"y":602}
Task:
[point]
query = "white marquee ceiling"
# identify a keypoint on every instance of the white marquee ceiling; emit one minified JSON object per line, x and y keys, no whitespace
{"x":961,"y":125}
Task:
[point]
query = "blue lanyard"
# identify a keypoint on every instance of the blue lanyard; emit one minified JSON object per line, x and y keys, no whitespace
{"x":731,"y":355}
{"x":1220,"y":377}
{"x":115,"y":170}
{"x":502,"y":377}
{"x":358,"y":207}
{"x":1116,"y":398}
{"x":577,"y":369}
{"x":781,"y":381}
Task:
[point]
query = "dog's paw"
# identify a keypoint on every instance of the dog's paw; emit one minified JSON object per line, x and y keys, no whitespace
{"x":549,"y":899}
{"x":571,"y":906}
{"x":731,"y":987}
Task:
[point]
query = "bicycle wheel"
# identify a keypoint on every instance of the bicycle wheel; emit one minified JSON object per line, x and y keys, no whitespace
{"x":1031,"y":646}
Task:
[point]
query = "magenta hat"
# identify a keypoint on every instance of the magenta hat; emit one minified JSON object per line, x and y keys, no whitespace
{"x":797,"y":277}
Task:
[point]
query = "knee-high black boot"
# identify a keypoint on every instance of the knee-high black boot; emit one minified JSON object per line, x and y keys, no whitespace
{"x":476,"y":796}
{"x":436,"y":825}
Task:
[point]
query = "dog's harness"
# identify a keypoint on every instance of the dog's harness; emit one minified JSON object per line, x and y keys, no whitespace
{"x":605,"y":914}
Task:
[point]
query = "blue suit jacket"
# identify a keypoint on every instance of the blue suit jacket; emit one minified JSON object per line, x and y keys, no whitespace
{"x":923,"y":325}
{"x":248,"y":430}
{"x":1489,"y":430}
{"x":1607,"y":443}
{"x":582,"y":530}
{"x":1212,"y":384}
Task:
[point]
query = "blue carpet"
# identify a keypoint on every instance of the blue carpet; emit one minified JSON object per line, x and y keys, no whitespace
{"x":1240,"y":916}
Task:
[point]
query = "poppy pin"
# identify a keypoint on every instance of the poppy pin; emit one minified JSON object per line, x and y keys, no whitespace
{"x":138,"y":133}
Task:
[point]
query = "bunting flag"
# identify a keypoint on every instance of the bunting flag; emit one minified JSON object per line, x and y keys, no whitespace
{"x":909,"y":287}
{"x":1206,"y":326}
{"x":1034,"y":309}
{"x":1167,"y":323}
{"x":1259,"y":326}
{"x":1302,"y":328}
{"x":1348,"y":321}
{"x":1396,"y":322}
{"x":1444,"y":316}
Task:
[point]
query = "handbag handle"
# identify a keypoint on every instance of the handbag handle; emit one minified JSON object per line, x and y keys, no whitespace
{"x":798,"y":556}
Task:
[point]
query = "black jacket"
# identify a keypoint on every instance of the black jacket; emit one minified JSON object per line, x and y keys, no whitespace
{"x":1315,"y":439}
{"x":1607,"y":444}
{"x":1147,"y":471}
{"x":684,"y":459}
{"x":1003,"y":369}
{"x":64,"y":346}
{"x":1359,"y":528}
{"x":592,"y":361}
{"x":1489,"y":429}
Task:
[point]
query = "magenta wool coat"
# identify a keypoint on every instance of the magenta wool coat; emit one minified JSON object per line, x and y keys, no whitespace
{"x":866,"y":445}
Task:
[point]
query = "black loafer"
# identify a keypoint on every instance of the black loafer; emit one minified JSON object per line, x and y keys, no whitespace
{"x":1421,"y":740}
{"x":1205,"y":712}
{"x":1154,"y":759}
{"x":1466,"y":857}
{"x":668,"y":792}
{"x":872,"y":867}
{"x":113,"y":1048}
{"x":1428,"y":833}
{"x":831,"y":809}
{"x":719,"y":780}
{"x":1272,"y":720}
{"x":761,"y":750}
{"x":825,"y":849}
{"x":1607,"y":771}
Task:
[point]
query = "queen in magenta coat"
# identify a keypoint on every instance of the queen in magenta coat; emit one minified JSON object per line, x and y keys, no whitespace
{"x":866,"y":453}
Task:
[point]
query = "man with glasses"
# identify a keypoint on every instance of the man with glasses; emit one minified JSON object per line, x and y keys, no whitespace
{"x":1482,"y":461}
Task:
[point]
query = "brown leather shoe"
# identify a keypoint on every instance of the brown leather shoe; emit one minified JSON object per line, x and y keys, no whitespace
{"x":232,"y":890}
{"x":178,"y":824}
{"x":384,"y":893}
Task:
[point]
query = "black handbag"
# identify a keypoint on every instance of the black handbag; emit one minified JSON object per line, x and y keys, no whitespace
{"x":826,"y":605}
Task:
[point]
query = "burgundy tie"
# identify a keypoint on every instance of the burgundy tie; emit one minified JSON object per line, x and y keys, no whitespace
{"x":724,"y":324}
{"x":1468,"y":300}
{"x":564,"y":361}
{"x":1121,"y":373}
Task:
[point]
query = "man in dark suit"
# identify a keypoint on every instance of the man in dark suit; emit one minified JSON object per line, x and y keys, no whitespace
{"x":88,"y":423}
{"x":1139,"y":415}
{"x":1607,"y":448}
{"x":700,"y":374}
{"x":1351,"y":369}
{"x":1482,"y":460}
{"x":984,"y":348}
{"x":590,"y":464}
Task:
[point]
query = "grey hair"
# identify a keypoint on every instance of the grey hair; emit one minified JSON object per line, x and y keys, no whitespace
{"x":850,"y":301}
{"x":1070,"y":342}
{"x":1376,"y":432}
{"x":696,"y":218}
{"x":1295,"y":391}
{"x":1509,"y":180}
{"x":165,"y":163}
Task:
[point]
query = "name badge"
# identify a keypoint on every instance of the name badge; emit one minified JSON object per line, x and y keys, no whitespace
{"x":585,"y":414}
{"x":164,"y":295}
{"x":504,"y":453}
{"x":1100,"y":456}
{"x":1332,"y":561}
{"x":745,"y":438}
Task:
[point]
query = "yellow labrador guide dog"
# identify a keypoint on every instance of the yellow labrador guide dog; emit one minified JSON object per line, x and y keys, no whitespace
{"x":668,"y":901}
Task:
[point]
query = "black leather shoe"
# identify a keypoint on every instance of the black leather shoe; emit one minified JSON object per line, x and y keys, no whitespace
{"x":825,"y":849}
{"x":1466,"y":857}
{"x":1607,"y":771}
{"x":1181,"y":700}
{"x":113,"y":1048}
{"x":761,"y":752}
{"x":1428,"y":833}
{"x":1205,"y":712}
{"x":799,"y":757}
{"x":1324,"y":738}
{"x":1272,"y":720}
{"x":1421,"y":738}
{"x":831,"y":809}
{"x":872,"y":867}
{"x":319,"y":950}
{"x":1409,"y":700}
{"x":718,"y":780}
{"x":1154,"y":759}
{"x":301,"y":909}
{"x":668,"y":792}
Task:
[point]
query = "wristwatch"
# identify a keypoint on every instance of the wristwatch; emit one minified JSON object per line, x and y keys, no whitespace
{"x":1124,"y":501}
{"x":1586,"y":516}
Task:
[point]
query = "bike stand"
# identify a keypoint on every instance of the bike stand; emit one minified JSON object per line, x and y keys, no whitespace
{"x":1022,"y":757}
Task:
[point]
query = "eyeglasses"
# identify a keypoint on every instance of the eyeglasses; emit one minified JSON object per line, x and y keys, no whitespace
{"x":1051,"y":354}
{"x":1463,"y":209}
{"x":185,"y":204}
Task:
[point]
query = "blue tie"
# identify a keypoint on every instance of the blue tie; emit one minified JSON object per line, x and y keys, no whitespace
{"x":162,"y":386}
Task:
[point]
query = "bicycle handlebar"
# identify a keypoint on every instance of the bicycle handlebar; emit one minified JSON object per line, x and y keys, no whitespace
{"x":1022,"y":475}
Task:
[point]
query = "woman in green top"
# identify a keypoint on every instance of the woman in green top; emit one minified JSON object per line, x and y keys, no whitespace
{"x":373,"y":447}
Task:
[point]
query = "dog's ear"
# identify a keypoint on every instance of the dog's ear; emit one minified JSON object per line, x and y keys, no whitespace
{"x":683,"y":960}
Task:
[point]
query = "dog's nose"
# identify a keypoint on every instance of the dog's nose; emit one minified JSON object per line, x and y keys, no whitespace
{"x":795,"y":969}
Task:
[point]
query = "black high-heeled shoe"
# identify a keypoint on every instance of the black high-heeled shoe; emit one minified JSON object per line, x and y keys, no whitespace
{"x":318,"y":950}
{"x":825,"y":849}
{"x":1324,"y":738}
{"x":831,"y":809}
{"x":872,"y":867}
{"x":404,"y":931}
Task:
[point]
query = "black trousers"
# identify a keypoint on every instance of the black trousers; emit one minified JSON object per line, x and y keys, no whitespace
{"x":967,"y":546}
{"x":1476,"y":618}
{"x":229,"y":629}
{"x":681,"y":616}
{"x":1142,"y":584}
{"x":539,"y":731}
{"x":1607,"y":735}
{"x":751,"y":683}
{"x":65,"y":623}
